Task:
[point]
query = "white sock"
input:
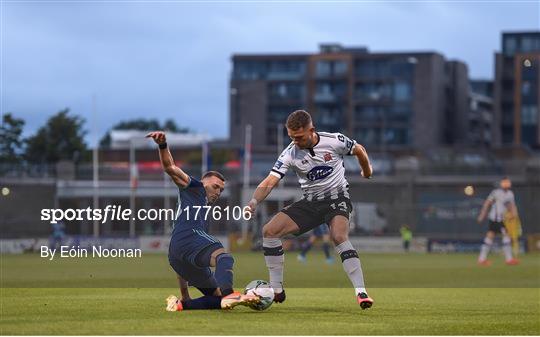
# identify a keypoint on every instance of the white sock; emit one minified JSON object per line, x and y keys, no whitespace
{"x":274,"y":258}
{"x":507,"y":248}
{"x":359,"y":291}
{"x":351,"y":264}
{"x":484,"y":250}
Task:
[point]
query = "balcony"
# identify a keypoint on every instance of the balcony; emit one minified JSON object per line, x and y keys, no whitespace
{"x":325,"y":97}
{"x":285,"y":75}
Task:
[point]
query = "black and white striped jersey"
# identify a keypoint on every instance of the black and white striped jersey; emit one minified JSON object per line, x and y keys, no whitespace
{"x":501,"y":199}
{"x":320,"y":170}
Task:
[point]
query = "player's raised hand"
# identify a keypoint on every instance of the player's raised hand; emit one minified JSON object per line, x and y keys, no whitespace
{"x":157,"y":136}
{"x":251,"y":206}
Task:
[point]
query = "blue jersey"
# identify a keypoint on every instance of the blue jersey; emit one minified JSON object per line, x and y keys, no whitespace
{"x":192,"y":195}
{"x":190,"y":234}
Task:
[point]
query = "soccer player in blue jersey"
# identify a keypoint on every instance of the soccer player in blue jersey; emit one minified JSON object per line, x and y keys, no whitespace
{"x":192,"y":251}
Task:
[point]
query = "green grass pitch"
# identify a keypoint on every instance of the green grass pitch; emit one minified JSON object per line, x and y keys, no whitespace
{"x":420,"y":294}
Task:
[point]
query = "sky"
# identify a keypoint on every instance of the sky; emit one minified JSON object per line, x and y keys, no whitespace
{"x":172,"y":59}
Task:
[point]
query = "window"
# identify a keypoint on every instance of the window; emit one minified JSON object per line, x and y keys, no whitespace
{"x":386,"y":68}
{"x":379,"y":136}
{"x":286,"y":69}
{"x":282,"y":90}
{"x":529,"y":115}
{"x":508,"y":85}
{"x":373,"y":91}
{"x":507,"y":134}
{"x":402,"y":91}
{"x":368,"y":113}
{"x":278,"y":113}
{"x":403,"y":69}
{"x":526,"y":44}
{"x":400,"y":113}
{"x":329,"y":91}
{"x":530,"y":43}
{"x":509,"y":45}
{"x":324,"y":88}
{"x":528,"y":134}
{"x":373,"y":69}
{"x":340,"y":68}
{"x":250,"y":70}
{"x":329,"y":118}
{"x":396,"y":136}
{"x":286,"y":90}
{"x":287,"y":66}
{"x":526,"y":88}
{"x":363,"y":69}
{"x":368,"y":136}
{"x":331,"y":68}
{"x":323,"y":68}
{"x":507,"y":116}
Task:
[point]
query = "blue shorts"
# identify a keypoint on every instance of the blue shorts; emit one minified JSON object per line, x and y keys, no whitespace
{"x":200,"y":277}
{"x":320,"y":230}
{"x":183,"y":251}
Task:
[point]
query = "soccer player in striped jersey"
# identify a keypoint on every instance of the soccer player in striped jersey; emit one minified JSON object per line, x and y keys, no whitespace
{"x":317,"y":159}
{"x":499,"y":201}
{"x":192,"y":251}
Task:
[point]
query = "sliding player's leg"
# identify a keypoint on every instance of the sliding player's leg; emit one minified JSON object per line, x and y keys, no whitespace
{"x":210,"y":300}
{"x":202,"y":279}
{"x":214,"y":255}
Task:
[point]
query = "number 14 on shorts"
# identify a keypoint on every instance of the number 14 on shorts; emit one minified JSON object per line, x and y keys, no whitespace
{"x":342,"y":206}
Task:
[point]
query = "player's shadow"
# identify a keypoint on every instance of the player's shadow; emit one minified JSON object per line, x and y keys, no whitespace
{"x":288,"y":311}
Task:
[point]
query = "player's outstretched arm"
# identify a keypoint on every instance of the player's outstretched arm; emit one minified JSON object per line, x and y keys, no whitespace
{"x":361,"y":154}
{"x":179,"y":177}
{"x":262,"y":191}
{"x":483,"y":212}
{"x":183,"y":288}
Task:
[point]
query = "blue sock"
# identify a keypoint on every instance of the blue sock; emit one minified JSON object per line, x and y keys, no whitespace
{"x":224,"y":273}
{"x":305,"y":248}
{"x":205,"y":302}
{"x":326,"y":248}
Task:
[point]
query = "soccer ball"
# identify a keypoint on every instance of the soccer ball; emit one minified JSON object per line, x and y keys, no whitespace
{"x":264,"y":291}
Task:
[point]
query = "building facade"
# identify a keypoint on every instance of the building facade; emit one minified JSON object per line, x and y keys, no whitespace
{"x":480,"y":121}
{"x":517,"y":90}
{"x":384,"y":100}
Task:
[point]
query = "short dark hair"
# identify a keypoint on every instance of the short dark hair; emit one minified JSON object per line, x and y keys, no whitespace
{"x":213,"y":174}
{"x":298,"y":119}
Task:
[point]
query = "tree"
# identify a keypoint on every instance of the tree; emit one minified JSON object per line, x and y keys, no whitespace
{"x":171,"y":126}
{"x":62,"y":137}
{"x":11,"y":143}
{"x":143,"y":125}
